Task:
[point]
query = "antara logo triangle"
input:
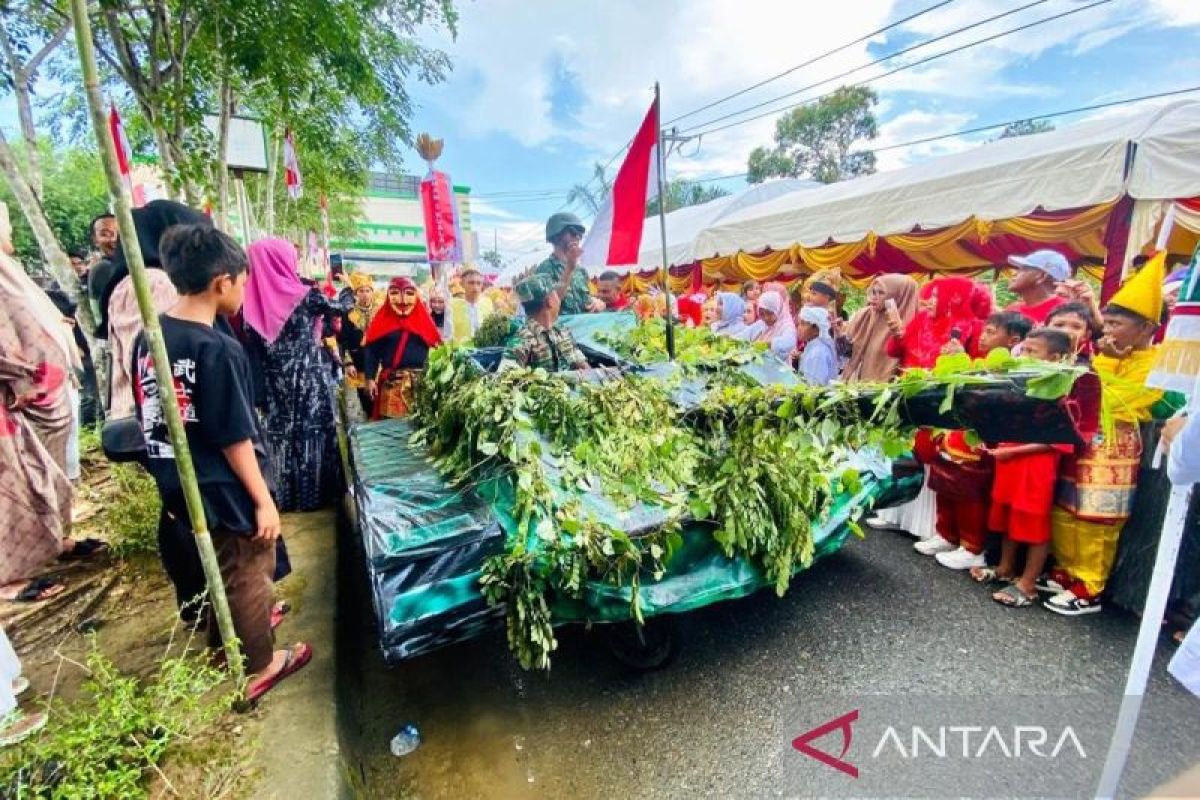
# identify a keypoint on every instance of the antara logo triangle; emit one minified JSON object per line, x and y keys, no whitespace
{"x":842,"y":723}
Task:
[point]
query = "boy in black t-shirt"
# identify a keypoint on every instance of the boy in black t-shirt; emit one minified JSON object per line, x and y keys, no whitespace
{"x":213,"y":389}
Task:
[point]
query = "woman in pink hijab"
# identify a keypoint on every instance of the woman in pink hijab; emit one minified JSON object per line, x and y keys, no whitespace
{"x":283,"y":319}
{"x":775,"y":323}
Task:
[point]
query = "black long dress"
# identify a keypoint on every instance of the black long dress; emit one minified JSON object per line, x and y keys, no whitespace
{"x":298,"y":407}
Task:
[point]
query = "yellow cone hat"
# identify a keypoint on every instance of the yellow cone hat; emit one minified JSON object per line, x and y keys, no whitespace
{"x":1143,"y":293}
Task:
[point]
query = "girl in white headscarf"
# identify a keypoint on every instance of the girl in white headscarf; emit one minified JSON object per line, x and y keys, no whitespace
{"x":818,"y":362}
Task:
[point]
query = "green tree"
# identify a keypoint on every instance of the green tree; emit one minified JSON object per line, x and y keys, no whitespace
{"x":682,"y":193}
{"x":1025,"y":127}
{"x":73,"y":191}
{"x":493,"y":259}
{"x":593,"y":193}
{"x":817,"y":140}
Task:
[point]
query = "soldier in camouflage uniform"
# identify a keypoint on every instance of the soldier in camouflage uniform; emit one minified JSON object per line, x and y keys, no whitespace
{"x":565,"y":232}
{"x":542,"y":342}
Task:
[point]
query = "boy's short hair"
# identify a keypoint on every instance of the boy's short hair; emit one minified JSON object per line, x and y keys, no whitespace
{"x":195,"y":254}
{"x":609,"y":275}
{"x":1059,"y":343}
{"x":1013,"y":323}
{"x":1081,"y":310}
{"x":97,"y":218}
{"x":468,"y":272}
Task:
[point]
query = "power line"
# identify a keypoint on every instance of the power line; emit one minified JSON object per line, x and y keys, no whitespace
{"x":901,"y":68}
{"x":1052,"y":115}
{"x":991,"y":126}
{"x":790,"y":94}
{"x":880,"y":60}
{"x":811,"y":61}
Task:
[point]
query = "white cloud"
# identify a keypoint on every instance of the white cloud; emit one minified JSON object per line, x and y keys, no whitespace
{"x":918,"y":124}
{"x":705,"y":49}
{"x":486,"y":209}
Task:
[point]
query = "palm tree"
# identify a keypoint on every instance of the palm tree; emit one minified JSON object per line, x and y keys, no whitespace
{"x":593,"y":193}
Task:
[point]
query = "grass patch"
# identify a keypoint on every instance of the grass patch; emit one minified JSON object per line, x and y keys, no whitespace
{"x":117,"y":740}
{"x":130,"y":515}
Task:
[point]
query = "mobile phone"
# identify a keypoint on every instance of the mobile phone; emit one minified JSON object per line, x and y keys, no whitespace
{"x":890,"y":305}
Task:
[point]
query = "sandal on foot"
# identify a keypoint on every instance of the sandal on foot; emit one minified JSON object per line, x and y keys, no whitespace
{"x":18,"y":726}
{"x":1012,"y":597}
{"x":84,"y":549}
{"x":37,"y":591}
{"x":986,"y":575}
{"x":278,"y":612}
{"x":297,"y":656}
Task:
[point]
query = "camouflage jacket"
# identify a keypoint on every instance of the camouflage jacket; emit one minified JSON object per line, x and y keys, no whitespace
{"x":578,"y":294}
{"x":552,"y":348}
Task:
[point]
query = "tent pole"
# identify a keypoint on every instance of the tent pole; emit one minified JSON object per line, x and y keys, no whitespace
{"x":662,"y":223}
{"x":122,"y":206}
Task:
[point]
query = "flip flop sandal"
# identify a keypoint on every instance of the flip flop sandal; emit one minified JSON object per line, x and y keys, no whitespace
{"x":18,"y":726}
{"x":84,"y":549}
{"x":1013,"y":597}
{"x":38,"y":590}
{"x":297,"y":657}
{"x":278,"y":612}
{"x":986,"y":575}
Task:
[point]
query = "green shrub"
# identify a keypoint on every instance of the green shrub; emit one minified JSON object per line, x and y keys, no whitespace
{"x":110,"y":743}
{"x":130,"y":515}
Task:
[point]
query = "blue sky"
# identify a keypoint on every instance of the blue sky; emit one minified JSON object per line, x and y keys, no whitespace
{"x":540,"y":91}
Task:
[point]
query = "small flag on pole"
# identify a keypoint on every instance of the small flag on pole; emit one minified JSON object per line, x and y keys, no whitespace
{"x":616,"y":234}
{"x":295,"y":185}
{"x":124,"y":155}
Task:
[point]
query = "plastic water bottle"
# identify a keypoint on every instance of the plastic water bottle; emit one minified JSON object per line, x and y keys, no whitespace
{"x":407,"y":740}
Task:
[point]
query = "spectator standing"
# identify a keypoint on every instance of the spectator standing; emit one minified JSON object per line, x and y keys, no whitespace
{"x":283,"y":321}
{"x":213,"y":389}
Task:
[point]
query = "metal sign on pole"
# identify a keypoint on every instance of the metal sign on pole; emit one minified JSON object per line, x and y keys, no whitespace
{"x":154,"y":338}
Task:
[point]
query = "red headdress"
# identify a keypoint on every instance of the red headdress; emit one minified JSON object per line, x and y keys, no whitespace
{"x":958,"y":306}
{"x":418,"y":323}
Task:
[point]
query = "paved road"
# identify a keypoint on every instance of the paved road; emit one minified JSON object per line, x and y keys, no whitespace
{"x":875,"y":625}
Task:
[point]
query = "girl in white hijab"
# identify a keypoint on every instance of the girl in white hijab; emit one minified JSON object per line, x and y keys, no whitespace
{"x":779,"y":330}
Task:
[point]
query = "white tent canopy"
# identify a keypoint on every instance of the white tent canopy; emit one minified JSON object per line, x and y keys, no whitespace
{"x":1078,"y":166}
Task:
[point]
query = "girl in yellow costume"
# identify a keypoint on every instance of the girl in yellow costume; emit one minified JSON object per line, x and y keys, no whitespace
{"x":1096,"y":488}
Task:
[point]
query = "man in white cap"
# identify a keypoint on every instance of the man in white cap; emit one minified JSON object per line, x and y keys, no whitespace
{"x":1038,"y":274}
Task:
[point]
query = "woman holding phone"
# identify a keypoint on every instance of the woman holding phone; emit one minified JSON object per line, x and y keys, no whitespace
{"x":891,"y":304}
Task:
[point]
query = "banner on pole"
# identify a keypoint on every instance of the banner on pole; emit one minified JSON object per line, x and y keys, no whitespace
{"x":124,"y":156}
{"x":442,"y":238}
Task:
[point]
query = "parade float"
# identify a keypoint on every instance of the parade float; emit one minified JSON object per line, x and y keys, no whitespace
{"x":645,"y":488}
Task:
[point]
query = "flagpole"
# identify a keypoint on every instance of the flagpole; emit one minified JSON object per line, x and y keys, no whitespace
{"x":662,"y":222}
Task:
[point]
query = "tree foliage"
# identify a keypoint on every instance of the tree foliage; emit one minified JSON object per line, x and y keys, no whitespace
{"x":682,"y":193}
{"x":593,"y":193}
{"x":73,"y":192}
{"x":818,"y":140}
{"x":1025,"y":127}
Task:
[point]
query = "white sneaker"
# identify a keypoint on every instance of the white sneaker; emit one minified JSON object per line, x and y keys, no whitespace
{"x":1067,"y":604}
{"x":877,"y":521}
{"x":962,"y":558}
{"x":933,"y":545}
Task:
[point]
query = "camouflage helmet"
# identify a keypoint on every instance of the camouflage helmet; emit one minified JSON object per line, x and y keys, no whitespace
{"x":533,"y":288}
{"x":560,"y":222}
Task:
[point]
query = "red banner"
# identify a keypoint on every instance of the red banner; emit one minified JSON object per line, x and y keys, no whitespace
{"x":441,"y":213}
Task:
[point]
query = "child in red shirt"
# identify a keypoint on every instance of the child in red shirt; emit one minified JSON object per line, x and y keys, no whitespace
{"x":1023,"y":493}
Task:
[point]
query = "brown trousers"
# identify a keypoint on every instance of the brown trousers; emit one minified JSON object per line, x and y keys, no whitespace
{"x":247,"y":568}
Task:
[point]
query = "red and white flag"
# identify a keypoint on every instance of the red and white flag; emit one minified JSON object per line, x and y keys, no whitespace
{"x":291,"y":165}
{"x":124,"y":155}
{"x":616,"y":234}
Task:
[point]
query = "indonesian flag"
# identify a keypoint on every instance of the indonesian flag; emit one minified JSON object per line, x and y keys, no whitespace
{"x":291,"y":165}
{"x":616,"y":234}
{"x":124,"y":154}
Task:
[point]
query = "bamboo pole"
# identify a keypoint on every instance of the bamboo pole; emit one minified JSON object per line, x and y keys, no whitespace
{"x":154,"y":338}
